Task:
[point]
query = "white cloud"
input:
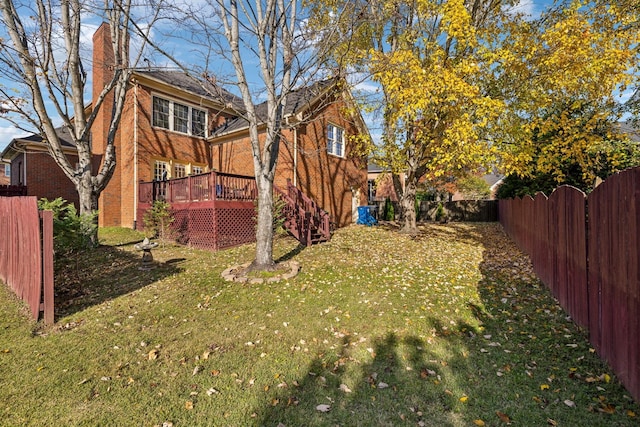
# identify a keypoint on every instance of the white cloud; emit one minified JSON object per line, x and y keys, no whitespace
{"x":7,"y":133}
{"x":527,"y":8}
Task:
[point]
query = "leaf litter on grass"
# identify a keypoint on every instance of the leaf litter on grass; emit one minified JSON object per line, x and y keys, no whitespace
{"x":448,"y":328}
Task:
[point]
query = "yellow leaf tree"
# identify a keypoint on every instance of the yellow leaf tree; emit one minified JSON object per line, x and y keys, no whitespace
{"x":562,"y":76}
{"x":429,"y":58}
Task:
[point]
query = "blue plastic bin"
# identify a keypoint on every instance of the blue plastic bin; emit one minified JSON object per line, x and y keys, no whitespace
{"x":365,"y":217}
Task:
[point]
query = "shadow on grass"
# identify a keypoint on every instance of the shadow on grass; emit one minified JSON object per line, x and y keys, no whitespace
{"x":519,"y":359}
{"x":400,"y":386}
{"x":95,"y":276}
{"x":292,"y":253}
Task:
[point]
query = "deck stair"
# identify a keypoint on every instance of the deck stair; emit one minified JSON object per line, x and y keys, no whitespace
{"x":304,"y":219}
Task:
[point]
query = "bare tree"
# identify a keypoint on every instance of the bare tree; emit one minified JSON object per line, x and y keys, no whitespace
{"x":244,"y":33}
{"x":42,"y":57}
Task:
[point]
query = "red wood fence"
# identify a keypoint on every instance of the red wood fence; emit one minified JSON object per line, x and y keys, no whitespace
{"x":586,"y":251}
{"x":26,"y":253}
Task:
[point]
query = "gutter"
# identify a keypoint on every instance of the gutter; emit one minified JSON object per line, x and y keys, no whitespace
{"x":135,"y":153}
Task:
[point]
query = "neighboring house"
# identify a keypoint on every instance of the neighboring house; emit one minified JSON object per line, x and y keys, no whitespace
{"x":632,"y":132}
{"x":380,"y":184}
{"x":174,"y":125}
{"x":493,"y":181}
{"x":5,"y":173}
{"x":33,"y":167}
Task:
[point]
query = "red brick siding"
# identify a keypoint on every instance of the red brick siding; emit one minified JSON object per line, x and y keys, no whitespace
{"x":4,"y":179}
{"x":45,"y":179}
{"x":327,"y":179}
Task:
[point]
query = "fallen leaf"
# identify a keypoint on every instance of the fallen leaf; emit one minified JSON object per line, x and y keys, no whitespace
{"x":382,"y":385}
{"x":607,"y":409}
{"x":551,"y":422}
{"x":544,"y":386}
{"x":463,"y":399}
{"x":345,"y":388}
{"x":212,"y":391}
{"x":153,"y":354}
{"x":323,"y":408}
{"x":503,"y":417}
{"x":479,"y":423}
{"x":570,"y":403}
{"x":630,"y":413}
{"x":188,"y":405}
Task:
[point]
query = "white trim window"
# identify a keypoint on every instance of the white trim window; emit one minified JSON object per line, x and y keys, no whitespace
{"x":177,"y":117}
{"x":335,"y":140}
{"x":196,"y":170}
{"x":160,"y":170}
{"x":179,"y":170}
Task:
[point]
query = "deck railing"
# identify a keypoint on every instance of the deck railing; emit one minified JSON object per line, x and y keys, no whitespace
{"x":207,"y":186}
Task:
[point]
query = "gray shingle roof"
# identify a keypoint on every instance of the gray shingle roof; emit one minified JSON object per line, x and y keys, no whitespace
{"x":632,"y":132}
{"x":200,"y":87}
{"x":296,"y":101}
{"x":63,"y":134}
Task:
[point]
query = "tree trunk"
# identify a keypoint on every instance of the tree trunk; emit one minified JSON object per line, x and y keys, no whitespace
{"x":264,"y":231}
{"x":408,"y":208}
{"x":88,"y":200}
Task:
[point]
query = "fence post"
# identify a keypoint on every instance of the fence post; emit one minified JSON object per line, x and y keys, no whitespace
{"x":47,"y":266}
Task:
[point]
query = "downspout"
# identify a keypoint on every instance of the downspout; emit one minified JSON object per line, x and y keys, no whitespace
{"x":295,"y":156}
{"x":135,"y":154}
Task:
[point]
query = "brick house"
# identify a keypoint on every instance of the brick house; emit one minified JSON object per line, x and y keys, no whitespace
{"x":33,"y":167}
{"x":174,"y":125}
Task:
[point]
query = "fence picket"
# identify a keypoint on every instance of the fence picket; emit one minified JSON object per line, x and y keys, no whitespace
{"x":21,"y":255}
{"x":589,"y":258}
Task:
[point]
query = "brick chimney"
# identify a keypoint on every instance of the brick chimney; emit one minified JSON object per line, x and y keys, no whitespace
{"x":109,"y":203}
{"x":103,"y":66}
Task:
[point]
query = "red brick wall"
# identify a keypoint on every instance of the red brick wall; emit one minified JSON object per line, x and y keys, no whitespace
{"x":4,"y":179}
{"x":45,"y":179}
{"x":103,"y":63}
{"x":330,"y":180}
{"x":327,"y":179}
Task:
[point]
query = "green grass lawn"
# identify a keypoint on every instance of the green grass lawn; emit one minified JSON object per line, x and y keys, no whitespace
{"x":450,"y":328}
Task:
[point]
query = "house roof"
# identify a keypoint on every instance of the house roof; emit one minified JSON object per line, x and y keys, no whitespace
{"x":35,"y":139}
{"x":632,"y":132}
{"x":202,"y":87}
{"x":298,"y":100}
{"x":492,"y":179}
{"x":374,"y":168}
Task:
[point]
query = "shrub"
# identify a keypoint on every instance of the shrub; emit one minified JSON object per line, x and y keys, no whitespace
{"x":158,"y":219}
{"x":71,"y":232}
{"x":440,"y":214}
{"x":279,"y":217}
{"x":389,"y":213}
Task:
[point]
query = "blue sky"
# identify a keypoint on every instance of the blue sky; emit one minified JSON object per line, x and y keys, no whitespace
{"x":222,"y":69}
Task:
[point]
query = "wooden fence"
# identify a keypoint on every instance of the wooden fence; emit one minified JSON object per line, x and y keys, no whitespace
{"x":26,"y":253}
{"x":586,"y":251}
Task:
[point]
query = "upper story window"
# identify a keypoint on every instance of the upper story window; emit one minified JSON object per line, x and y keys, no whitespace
{"x":335,"y":140}
{"x":7,"y":170}
{"x":196,"y":170}
{"x":178,"y":117}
